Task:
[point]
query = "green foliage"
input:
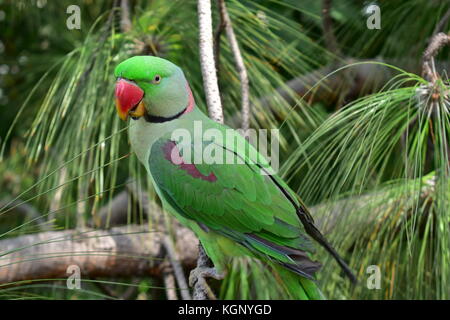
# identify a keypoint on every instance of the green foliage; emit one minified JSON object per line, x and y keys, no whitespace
{"x":375,"y":172}
{"x":383,"y":161}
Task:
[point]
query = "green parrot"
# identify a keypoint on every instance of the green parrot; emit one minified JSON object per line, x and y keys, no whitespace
{"x":236,"y":208}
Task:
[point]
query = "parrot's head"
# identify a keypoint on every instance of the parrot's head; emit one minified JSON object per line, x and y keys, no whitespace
{"x":151,"y":87}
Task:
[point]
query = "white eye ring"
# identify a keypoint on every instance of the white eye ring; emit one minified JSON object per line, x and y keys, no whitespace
{"x":156,"y":79}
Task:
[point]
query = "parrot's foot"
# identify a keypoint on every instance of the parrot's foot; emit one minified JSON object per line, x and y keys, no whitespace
{"x":197,"y":279}
{"x":200,"y":273}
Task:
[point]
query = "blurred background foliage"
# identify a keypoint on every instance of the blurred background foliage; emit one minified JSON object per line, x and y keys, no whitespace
{"x":364,"y":137}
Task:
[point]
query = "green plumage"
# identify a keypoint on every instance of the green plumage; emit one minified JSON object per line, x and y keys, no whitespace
{"x":241,"y":205}
{"x":235,"y":208}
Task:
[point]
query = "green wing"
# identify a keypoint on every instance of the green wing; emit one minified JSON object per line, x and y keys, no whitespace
{"x":235,"y":200}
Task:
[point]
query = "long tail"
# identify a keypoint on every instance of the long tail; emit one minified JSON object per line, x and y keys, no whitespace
{"x":298,"y":287}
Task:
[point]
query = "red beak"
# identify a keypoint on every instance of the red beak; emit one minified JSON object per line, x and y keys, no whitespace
{"x":128,"y":96}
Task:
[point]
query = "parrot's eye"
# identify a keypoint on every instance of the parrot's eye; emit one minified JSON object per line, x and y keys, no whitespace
{"x":156,"y":79}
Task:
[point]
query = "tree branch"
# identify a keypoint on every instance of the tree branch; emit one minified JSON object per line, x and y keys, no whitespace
{"x":327,"y":24}
{"x":169,"y":283}
{"x":240,"y":65}
{"x":132,"y":251}
{"x":125,"y":21}
{"x":213,"y":101}
{"x":177,"y":269}
{"x":361,"y":79}
{"x":438,"y":41}
{"x":207,"y":61}
{"x":119,"y":252}
{"x":444,"y":20}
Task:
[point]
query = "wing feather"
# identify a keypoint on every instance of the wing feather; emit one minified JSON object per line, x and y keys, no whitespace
{"x":236,"y":201}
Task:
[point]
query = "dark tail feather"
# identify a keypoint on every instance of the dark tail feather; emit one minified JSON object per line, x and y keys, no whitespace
{"x":301,"y":262}
{"x":317,"y":235}
{"x":311,"y":229}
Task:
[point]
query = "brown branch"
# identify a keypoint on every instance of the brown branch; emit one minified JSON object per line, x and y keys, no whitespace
{"x":327,"y":24}
{"x":125,"y":21}
{"x":114,"y":213}
{"x":361,"y":79}
{"x":438,"y":41}
{"x":117,"y":211}
{"x":132,"y":251}
{"x":56,"y":199}
{"x":440,"y":25}
{"x":169,"y":283}
{"x":119,"y":252}
{"x":177,"y":268}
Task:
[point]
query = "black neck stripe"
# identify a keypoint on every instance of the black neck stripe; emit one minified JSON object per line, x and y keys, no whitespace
{"x":158,"y":119}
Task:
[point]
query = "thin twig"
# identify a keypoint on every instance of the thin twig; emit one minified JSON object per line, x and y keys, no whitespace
{"x":437,"y":42}
{"x":56,"y":200}
{"x":332,"y":46}
{"x":207,"y":61}
{"x":177,"y":268}
{"x":169,"y":283}
{"x":217,"y":36}
{"x":81,"y":221}
{"x":240,"y":65}
{"x":327,"y":24}
{"x":125,"y":22}
{"x":440,"y":25}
